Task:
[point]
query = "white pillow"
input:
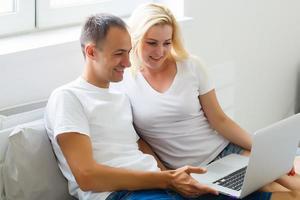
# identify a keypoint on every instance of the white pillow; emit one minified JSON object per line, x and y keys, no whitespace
{"x":20,"y":118}
{"x":30,"y":169}
{"x":4,"y":142}
{"x":2,"y":193}
{"x":3,"y":147}
{"x":1,"y":119}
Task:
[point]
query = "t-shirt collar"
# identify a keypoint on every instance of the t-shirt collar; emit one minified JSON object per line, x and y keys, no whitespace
{"x":90,"y":86}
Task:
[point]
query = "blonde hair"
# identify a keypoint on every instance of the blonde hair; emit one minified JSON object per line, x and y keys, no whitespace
{"x":142,"y":19}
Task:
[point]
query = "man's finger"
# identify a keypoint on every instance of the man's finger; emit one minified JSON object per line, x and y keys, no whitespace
{"x":197,"y":170}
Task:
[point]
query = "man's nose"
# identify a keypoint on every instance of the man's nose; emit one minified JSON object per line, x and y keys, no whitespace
{"x":126,"y":61}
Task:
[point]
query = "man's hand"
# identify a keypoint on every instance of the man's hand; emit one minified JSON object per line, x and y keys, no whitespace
{"x":184,"y":184}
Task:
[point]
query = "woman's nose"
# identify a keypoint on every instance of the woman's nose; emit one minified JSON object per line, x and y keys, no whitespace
{"x":159,"y":51}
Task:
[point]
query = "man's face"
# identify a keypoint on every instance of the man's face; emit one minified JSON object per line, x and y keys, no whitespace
{"x":112,"y":57}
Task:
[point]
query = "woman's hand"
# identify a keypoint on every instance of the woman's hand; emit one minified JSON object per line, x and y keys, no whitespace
{"x":292,"y":172}
{"x":186,"y":185}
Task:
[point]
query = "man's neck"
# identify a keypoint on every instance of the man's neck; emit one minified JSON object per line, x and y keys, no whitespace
{"x":91,"y":78}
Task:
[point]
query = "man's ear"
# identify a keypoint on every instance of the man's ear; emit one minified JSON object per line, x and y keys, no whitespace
{"x":90,"y":51}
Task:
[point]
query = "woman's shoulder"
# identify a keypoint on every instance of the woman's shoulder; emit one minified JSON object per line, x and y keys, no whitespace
{"x":194,"y":63}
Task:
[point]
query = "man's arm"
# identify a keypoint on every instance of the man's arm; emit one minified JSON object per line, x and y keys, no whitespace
{"x":145,"y":148}
{"x":91,"y":176}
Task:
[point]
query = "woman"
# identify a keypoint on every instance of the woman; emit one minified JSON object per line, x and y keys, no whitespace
{"x":174,"y":104}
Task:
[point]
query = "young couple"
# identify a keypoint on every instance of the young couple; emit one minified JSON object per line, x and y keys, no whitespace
{"x":172,"y":104}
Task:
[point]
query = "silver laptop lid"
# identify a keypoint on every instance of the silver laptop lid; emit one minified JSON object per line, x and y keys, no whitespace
{"x":273,"y":152}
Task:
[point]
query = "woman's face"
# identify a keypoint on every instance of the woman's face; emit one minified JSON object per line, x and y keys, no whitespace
{"x":156,"y":46}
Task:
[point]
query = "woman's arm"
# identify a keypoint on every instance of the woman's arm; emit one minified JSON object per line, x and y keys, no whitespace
{"x":222,"y":123}
{"x":145,"y":148}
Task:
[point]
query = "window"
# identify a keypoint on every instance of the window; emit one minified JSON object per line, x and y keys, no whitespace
{"x":16,"y":16}
{"x":52,"y":13}
{"x":7,"y":6}
{"x":27,"y":15}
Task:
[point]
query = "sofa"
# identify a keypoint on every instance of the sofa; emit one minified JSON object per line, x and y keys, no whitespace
{"x":28,"y":166}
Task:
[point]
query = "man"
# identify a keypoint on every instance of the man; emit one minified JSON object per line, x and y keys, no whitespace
{"x":91,"y":129}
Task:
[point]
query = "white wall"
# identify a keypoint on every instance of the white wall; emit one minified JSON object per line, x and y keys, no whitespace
{"x":31,"y":75}
{"x":263,"y":39}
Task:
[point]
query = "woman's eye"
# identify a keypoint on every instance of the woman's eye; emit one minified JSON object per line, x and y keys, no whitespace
{"x":151,"y":43}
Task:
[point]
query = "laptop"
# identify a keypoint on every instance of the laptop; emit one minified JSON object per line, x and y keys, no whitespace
{"x":272,"y":155}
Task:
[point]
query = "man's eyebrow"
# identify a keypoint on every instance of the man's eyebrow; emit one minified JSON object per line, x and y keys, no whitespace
{"x":157,"y":40}
{"x":122,"y":50}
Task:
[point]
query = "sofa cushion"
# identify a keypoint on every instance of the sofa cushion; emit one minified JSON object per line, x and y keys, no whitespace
{"x":4,"y":142}
{"x":30,"y":170}
{"x":7,"y":123}
{"x":2,"y":117}
{"x":3,"y":147}
{"x":2,"y":193}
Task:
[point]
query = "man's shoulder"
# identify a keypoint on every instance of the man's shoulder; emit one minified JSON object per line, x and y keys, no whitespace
{"x":63,"y":98}
{"x":66,"y":90}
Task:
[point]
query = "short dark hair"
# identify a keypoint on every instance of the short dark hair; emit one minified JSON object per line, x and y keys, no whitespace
{"x":96,"y":27}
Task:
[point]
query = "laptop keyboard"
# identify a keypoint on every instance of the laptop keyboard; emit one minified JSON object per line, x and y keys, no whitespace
{"x":234,"y":180}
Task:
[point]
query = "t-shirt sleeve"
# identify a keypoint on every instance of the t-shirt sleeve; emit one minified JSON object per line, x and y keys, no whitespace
{"x":66,"y":114}
{"x":203,"y":76}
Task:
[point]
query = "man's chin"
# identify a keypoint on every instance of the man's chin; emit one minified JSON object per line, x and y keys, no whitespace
{"x":116,"y":80}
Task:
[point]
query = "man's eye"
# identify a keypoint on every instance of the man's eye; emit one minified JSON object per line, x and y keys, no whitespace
{"x":167,"y":44}
{"x":118,"y":54}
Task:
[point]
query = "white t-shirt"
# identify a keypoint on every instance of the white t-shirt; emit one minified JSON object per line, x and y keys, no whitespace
{"x":173,"y":122}
{"x":105,"y":117}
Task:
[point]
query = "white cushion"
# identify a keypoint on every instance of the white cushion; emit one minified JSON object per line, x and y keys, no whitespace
{"x":20,"y":118}
{"x":2,"y":194}
{"x":1,"y":119}
{"x":4,"y":142}
{"x":3,"y":147}
{"x":30,"y":170}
